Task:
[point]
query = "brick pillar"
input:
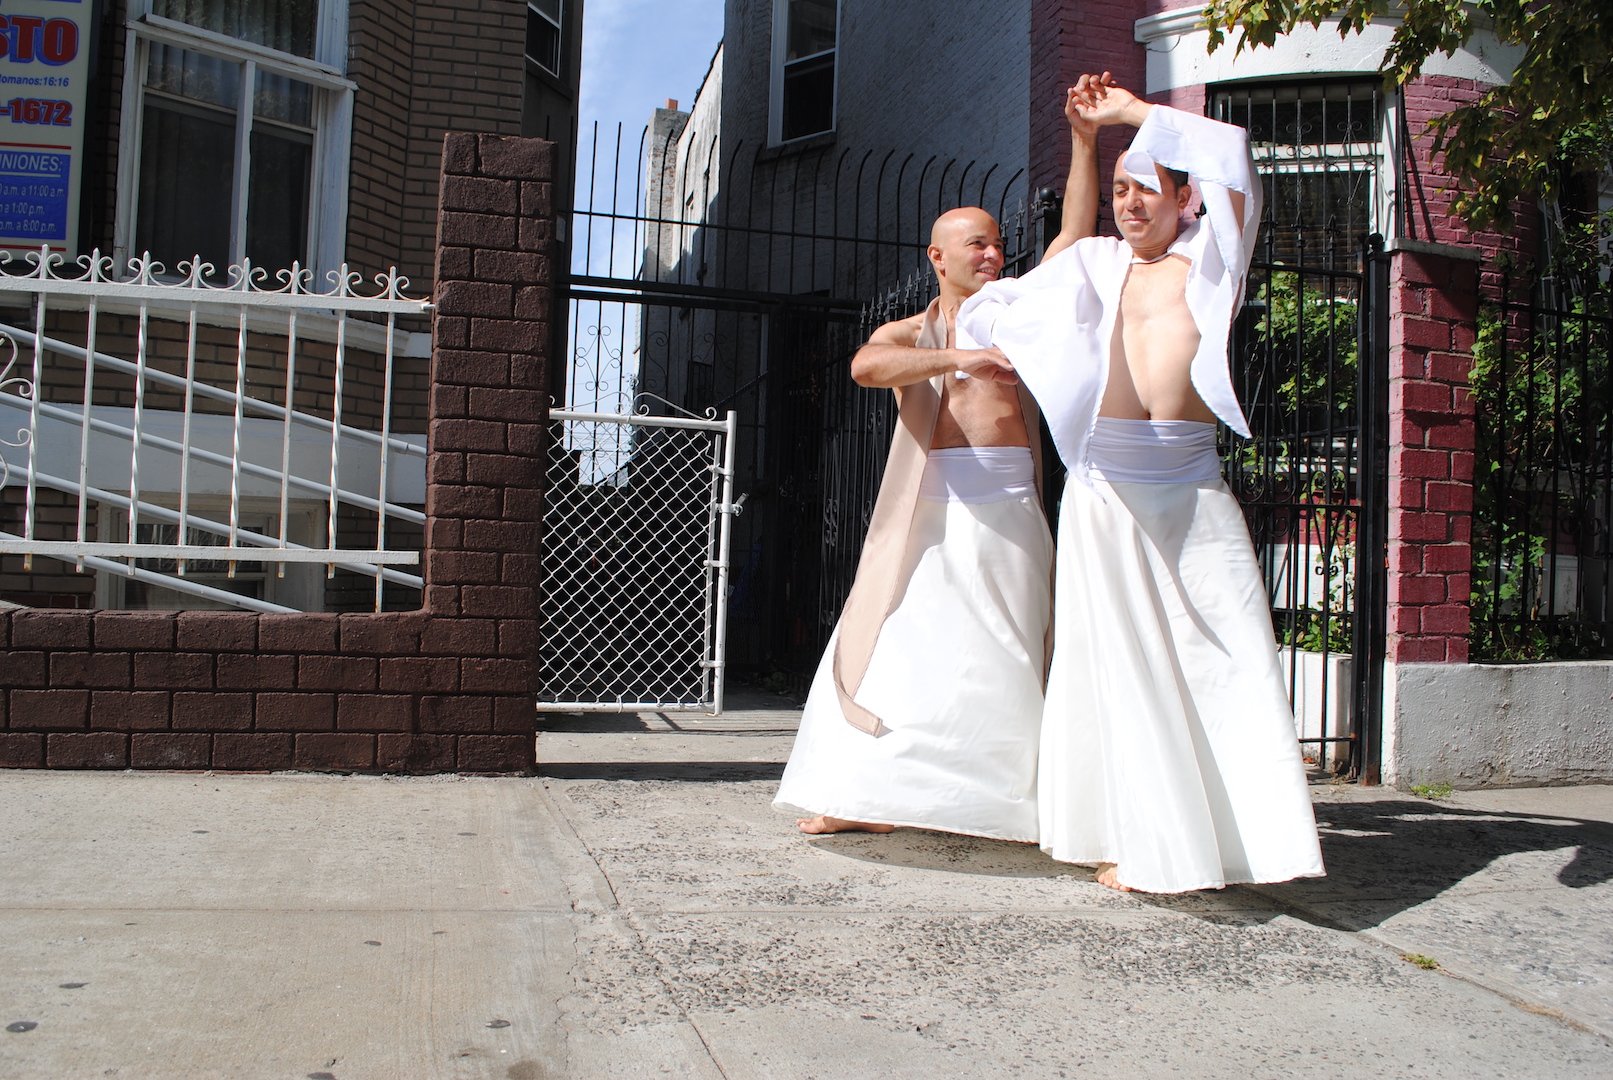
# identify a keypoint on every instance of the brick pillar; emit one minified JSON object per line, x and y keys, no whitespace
{"x":489,"y":409}
{"x":1433,"y":313}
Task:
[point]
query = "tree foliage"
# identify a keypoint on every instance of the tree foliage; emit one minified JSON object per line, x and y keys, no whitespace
{"x":1515,"y":140}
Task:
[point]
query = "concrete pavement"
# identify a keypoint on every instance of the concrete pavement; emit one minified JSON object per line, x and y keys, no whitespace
{"x":639,"y":911}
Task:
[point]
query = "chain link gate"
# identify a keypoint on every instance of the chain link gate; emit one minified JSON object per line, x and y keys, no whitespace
{"x":635,"y":563}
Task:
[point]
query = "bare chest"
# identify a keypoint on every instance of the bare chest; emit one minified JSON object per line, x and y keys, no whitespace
{"x":979,"y":412}
{"x":1155,"y":327}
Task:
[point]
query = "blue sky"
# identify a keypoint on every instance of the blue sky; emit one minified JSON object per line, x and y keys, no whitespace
{"x":638,"y":53}
{"x":635,"y":55}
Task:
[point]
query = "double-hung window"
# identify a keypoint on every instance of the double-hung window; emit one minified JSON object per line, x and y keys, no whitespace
{"x":805,"y":38}
{"x":235,"y":133}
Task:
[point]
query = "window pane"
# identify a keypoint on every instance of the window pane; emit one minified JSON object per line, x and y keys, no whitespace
{"x":551,"y":8}
{"x":1319,"y":214}
{"x":811,"y":28}
{"x":543,"y":42}
{"x":187,"y":159}
{"x":249,"y":579}
{"x":808,"y":105}
{"x":194,"y":76}
{"x":277,"y":202}
{"x":286,"y":25}
{"x":284,"y":99}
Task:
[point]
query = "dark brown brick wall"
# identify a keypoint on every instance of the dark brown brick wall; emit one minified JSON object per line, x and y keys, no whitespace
{"x":447,"y":688}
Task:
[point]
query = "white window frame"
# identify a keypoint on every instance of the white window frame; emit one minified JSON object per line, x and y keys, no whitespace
{"x":332,"y":122}
{"x":775,"y":112}
{"x":559,"y":24}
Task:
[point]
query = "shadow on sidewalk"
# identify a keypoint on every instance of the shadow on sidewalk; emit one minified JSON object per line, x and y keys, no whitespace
{"x":1385,"y":857}
{"x":924,"y":849}
{"x":1382,"y":858}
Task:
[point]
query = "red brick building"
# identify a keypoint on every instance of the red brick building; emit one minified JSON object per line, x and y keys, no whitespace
{"x":344,"y":125}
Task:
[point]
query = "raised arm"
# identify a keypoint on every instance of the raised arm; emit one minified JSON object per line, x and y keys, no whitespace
{"x":892,"y":359}
{"x":1080,"y":214}
{"x":1215,"y":153}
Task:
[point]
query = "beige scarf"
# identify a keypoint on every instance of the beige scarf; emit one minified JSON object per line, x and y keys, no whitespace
{"x":876,"y":585}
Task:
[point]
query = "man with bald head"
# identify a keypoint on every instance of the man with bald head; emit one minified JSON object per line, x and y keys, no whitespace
{"x":926,"y":708}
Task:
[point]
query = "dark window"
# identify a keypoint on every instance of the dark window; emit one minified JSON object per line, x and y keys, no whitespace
{"x":288,"y":26}
{"x":543,"y":25}
{"x":189,"y":187}
{"x":807,"y":89}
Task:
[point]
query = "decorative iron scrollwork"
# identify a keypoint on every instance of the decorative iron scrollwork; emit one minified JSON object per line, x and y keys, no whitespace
{"x":17,"y":386}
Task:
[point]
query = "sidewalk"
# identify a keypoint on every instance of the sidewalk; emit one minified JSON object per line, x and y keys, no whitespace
{"x":640,"y":911}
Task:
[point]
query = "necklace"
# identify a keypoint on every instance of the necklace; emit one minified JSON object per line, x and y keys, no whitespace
{"x":1135,"y":261}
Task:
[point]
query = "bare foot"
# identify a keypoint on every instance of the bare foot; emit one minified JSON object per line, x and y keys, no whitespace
{"x":823,"y":823}
{"x":1108,"y":875}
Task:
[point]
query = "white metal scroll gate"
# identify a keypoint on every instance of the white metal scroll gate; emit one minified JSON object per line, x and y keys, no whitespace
{"x":635,"y":563}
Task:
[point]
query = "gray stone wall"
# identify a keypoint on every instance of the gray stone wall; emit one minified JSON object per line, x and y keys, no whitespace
{"x":1499,"y":725}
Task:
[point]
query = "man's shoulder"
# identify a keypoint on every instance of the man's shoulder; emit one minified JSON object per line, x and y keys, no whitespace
{"x":900,"y":331}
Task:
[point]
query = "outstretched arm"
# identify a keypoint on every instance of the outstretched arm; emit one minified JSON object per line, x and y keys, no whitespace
{"x":893,"y":359}
{"x":1080,"y":215}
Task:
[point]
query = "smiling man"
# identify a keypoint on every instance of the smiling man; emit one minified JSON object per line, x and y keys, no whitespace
{"x":1168,"y":756}
{"x":927,"y":705}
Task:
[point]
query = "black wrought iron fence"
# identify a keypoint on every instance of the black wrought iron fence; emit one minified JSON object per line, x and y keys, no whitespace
{"x":1543,"y":495}
{"x":1307,"y":477}
{"x":725,"y":275}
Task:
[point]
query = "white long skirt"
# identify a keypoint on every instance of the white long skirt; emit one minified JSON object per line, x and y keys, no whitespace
{"x":957,"y":678}
{"x":1168,"y":744}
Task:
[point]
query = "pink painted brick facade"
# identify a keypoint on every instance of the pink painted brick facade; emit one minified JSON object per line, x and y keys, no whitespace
{"x":1067,"y":41}
{"x":447,"y":688}
{"x":1434,"y":299}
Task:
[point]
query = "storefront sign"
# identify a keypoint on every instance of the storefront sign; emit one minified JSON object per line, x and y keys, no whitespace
{"x":44,"y":79}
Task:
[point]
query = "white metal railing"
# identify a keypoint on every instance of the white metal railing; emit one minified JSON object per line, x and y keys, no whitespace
{"x":168,"y":466}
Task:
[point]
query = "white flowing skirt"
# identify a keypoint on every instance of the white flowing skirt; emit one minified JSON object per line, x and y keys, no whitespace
{"x":956,"y":676}
{"x":1168,"y":744}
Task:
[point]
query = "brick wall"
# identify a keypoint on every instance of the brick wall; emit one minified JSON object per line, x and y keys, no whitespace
{"x":466,"y":70}
{"x":446,"y":688}
{"x":1428,"y":190}
{"x":422,"y":69}
{"x":1433,"y":312}
{"x":1069,"y":40}
{"x":104,"y":107}
{"x":380,"y":43}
